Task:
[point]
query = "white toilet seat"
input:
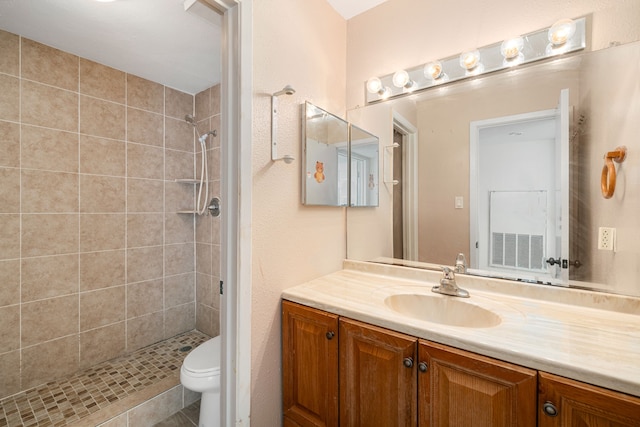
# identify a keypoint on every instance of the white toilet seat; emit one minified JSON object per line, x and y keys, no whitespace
{"x":204,"y":360}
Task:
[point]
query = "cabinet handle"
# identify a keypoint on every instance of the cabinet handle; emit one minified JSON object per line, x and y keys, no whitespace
{"x":330,"y":335}
{"x":550,"y":409}
{"x":423,"y":367}
{"x":408,"y":362}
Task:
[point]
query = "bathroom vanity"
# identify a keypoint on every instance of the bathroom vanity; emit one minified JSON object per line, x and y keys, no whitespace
{"x":372,"y":345}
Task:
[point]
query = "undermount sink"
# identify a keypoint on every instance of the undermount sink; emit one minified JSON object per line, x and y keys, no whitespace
{"x":444,"y":310}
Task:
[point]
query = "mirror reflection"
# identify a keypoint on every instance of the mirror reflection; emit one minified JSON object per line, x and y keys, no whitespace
{"x":341,"y":161}
{"x":468,"y":197}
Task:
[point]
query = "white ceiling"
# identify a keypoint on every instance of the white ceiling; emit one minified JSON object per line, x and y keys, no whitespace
{"x":153,"y":39}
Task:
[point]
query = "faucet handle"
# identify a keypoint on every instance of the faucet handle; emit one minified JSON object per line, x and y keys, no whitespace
{"x":461,"y":263}
{"x":448,"y":272}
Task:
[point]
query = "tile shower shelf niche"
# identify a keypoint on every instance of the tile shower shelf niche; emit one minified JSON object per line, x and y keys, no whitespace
{"x":191,"y":181}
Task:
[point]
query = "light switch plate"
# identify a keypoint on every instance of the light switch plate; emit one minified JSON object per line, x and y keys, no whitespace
{"x":459,"y":202}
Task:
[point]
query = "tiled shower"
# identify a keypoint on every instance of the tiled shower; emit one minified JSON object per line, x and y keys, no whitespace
{"x":95,"y":261}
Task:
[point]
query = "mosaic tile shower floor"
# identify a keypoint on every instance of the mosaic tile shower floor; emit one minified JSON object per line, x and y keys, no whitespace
{"x":66,"y":401}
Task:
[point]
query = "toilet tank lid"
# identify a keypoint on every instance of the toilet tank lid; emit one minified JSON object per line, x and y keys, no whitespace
{"x":205,"y":357}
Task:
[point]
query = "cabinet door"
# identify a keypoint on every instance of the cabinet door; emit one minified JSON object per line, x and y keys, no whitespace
{"x":310,"y":366}
{"x":582,"y":405}
{"x":378,"y":382}
{"x":462,"y":389}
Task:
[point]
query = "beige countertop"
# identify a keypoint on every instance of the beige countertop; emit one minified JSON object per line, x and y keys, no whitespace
{"x":588,"y":336}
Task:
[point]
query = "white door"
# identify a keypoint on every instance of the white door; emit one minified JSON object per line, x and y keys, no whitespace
{"x":519,"y":194}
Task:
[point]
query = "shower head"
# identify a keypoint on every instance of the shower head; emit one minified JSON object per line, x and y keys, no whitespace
{"x":190,"y":118}
{"x":287,"y":90}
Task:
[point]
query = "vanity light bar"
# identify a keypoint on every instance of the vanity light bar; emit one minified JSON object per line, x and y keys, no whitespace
{"x":562,"y":37}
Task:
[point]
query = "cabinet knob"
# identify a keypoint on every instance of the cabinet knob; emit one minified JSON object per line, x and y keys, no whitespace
{"x":408,"y":362}
{"x":330,"y":335}
{"x":423,"y":367}
{"x":550,"y":409}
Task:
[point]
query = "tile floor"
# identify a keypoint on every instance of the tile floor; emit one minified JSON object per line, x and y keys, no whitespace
{"x":188,"y":417}
{"x":59,"y":403}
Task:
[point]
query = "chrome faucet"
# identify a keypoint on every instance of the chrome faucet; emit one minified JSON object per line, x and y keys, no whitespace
{"x":448,"y":285}
{"x":461,"y":263}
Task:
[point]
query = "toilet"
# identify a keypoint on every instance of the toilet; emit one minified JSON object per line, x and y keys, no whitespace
{"x":200,"y":372}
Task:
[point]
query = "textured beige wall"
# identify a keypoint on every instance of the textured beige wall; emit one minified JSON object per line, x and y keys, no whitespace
{"x":94,"y":261}
{"x":301,"y":43}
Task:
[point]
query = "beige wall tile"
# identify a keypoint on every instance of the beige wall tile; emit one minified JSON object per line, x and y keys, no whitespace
{"x":49,"y":192}
{"x":144,"y":298}
{"x":204,"y":319}
{"x":9,"y":373}
{"x":215,"y":260}
{"x":49,"y":149}
{"x":10,"y":99}
{"x":179,"y":289}
{"x":215,"y":100}
{"x":213,"y":162}
{"x":204,"y":258}
{"x":102,"y":156}
{"x":179,"y":319}
{"x":101,"y":232}
{"x":10,"y":327}
{"x":49,"y":107}
{"x":145,"y":330}
{"x":9,"y":190}
{"x":144,"y":230}
{"x":144,"y":161}
{"x":48,"y":277}
{"x":177,"y":104}
{"x":102,"y":194}
{"x":53,"y":359}
{"x":204,"y":228}
{"x":144,"y":264}
{"x":145,"y":94}
{"x":48,"y":65}
{"x":119,"y":421}
{"x":178,"y":135}
{"x":9,"y":282}
{"x":157,"y":409}
{"x":178,"y":259}
{"x":9,"y":236}
{"x":9,"y":54}
{"x":102,"y":118}
{"x":178,"y":228}
{"x":145,"y":127}
{"x":214,"y":141}
{"x":179,"y":197}
{"x":203,"y":104}
{"x":205,"y":288}
{"x":49,"y":319}
{"x":102,"y":82}
{"x":49,"y":234}
{"x":102,"y":307}
{"x":102,"y":269}
{"x":102,"y":344}
{"x":9,"y":144}
{"x":178,"y":165}
{"x":144,"y":195}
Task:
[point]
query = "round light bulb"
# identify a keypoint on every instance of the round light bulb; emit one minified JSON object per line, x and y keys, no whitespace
{"x":561,"y":32}
{"x":433,"y":70}
{"x":512,"y":48}
{"x":374,"y":85}
{"x":470,"y":60}
{"x":401,"y":78}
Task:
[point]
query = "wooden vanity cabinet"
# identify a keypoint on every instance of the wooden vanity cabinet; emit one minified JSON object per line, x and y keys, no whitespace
{"x":378,"y":383}
{"x":310,"y":366}
{"x":567,"y":403}
{"x":459,"y":388}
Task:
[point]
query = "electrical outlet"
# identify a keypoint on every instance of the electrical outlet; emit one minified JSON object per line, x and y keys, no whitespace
{"x":606,"y":238}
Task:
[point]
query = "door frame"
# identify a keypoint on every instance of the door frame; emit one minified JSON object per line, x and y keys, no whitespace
{"x":236,"y":184}
{"x":409,"y":185}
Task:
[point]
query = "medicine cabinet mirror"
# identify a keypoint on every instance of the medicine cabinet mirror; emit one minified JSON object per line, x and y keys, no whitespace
{"x":340,"y":165}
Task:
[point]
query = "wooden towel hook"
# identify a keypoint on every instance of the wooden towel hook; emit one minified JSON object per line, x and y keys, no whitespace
{"x":608,"y":176}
